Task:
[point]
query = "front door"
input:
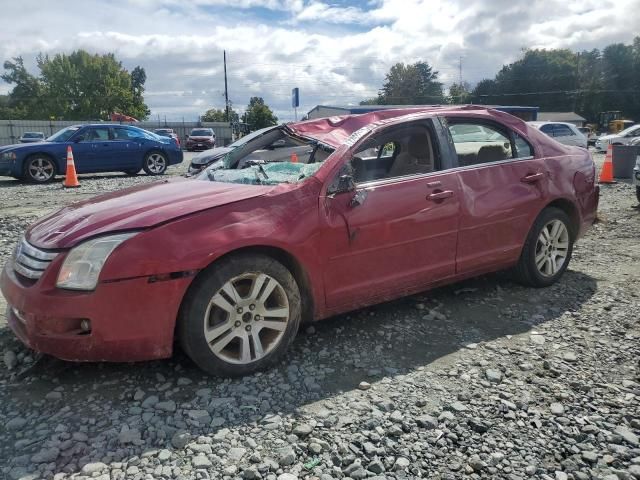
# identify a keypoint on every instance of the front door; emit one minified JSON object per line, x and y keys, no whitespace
{"x":90,"y":146}
{"x":395,"y":232}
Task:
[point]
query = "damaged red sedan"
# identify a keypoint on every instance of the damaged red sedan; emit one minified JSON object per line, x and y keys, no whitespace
{"x":351,"y":211}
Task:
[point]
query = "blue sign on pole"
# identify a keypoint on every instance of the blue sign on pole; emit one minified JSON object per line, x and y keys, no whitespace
{"x":295,"y":97}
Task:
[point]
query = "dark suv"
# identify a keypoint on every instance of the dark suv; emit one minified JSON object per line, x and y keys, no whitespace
{"x":201,"y":139}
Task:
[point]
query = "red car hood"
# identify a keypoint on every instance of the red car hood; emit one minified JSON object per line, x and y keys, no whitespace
{"x":134,"y":208}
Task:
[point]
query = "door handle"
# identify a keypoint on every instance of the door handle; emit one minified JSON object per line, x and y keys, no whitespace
{"x":532,"y":177}
{"x":439,"y":196}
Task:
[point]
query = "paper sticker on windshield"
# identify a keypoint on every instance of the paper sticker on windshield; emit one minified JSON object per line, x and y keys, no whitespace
{"x":357,"y":135}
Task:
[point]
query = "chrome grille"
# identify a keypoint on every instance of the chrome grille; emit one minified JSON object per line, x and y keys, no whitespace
{"x":31,"y":262}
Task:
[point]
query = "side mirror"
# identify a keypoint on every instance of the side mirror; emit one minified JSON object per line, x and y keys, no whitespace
{"x":345,"y":184}
{"x":344,"y":181}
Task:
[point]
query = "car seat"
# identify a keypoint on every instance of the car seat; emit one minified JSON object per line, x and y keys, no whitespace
{"x":414,"y":158}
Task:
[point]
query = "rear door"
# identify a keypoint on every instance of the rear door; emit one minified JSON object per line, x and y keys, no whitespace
{"x":395,"y":232}
{"x":126,"y":151}
{"x":505,"y":185}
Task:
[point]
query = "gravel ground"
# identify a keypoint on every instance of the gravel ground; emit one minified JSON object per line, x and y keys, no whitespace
{"x":484,"y":379}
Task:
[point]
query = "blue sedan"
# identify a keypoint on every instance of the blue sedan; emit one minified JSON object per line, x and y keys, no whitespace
{"x":96,"y":148}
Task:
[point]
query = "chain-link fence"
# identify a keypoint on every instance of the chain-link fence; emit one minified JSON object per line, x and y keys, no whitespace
{"x":12,"y":130}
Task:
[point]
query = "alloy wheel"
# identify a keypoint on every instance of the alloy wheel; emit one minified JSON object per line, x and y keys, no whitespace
{"x":156,"y":163}
{"x":552,"y":248}
{"x":246,"y":319}
{"x":41,"y":169}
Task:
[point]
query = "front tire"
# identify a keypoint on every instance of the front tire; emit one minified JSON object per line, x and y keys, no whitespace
{"x":240,"y":315}
{"x":39,"y":169}
{"x":155,"y":163}
{"x":547,"y":249}
{"x":638,"y":193}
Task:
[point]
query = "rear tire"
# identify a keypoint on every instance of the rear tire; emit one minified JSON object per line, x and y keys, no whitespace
{"x":638,"y":193}
{"x":547,"y":249}
{"x":240,"y":315}
{"x":155,"y":163}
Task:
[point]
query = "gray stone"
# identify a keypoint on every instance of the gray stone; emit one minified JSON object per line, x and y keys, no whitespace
{"x":375,"y":466}
{"x":287,"y":476}
{"x":251,"y":473}
{"x":476,"y":463}
{"x":129,"y":436}
{"x":164,"y":455}
{"x":180,"y":439}
{"x":16,"y":423}
{"x":556,"y":408}
{"x":236,"y":453}
{"x":45,"y":456}
{"x":591,"y":457}
{"x":10,"y":359}
{"x":427,"y":421}
{"x":401,"y":463}
{"x":285,"y":455}
{"x":150,"y":402}
{"x":302,"y":429}
{"x":200,"y":461}
{"x":166,"y":406}
{"x":537,"y":339}
{"x":493,"y":375}
{"x":91,"y":468}
{"x":457,"y":407}
{"x":628,"y":435}
{"x":364,"y":385}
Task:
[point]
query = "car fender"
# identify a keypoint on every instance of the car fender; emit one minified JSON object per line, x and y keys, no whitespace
{"x":189,"y":244}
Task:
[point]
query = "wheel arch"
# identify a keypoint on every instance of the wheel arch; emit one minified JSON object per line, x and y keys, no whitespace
{"x":568,"y":207}
{"x":58,"y":165}
{"x":290,"y":262}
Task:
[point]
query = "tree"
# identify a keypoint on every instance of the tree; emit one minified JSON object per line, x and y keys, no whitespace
{"x":25,"y":99}
{"x":219,"y":115}
{"x":78,"y":86}
{"x":258,"y":114}
{"x":459,"y":94}
{"x":415,"y":84}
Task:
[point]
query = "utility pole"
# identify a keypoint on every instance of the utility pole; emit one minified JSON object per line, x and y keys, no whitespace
{"x":460,"y":70}
{"x":226,"y":92}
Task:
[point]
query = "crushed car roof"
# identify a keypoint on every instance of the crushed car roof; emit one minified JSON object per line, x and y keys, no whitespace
{"x":335,"y":131}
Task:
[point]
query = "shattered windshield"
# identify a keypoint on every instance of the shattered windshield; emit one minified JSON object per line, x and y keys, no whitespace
{"x":269,"y":157}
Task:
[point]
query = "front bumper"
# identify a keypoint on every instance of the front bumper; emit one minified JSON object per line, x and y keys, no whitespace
{"x":199,"y":146}
{"x":131,"y":320}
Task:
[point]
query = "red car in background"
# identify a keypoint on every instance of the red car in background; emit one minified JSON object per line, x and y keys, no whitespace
{"x":379,"y":206}
{"x":200,"y":139}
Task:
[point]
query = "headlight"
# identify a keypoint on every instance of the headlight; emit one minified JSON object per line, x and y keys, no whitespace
{"x":9,"y":156}
{"x":81,"y":268}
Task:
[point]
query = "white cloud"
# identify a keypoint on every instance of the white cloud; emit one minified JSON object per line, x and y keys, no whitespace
{"x":335,"y":52}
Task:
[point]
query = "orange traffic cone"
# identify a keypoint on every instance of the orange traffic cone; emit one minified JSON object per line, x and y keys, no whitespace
{"x":294,"y":157}
{"x":606,"y":175}
{"x":71,"y":178}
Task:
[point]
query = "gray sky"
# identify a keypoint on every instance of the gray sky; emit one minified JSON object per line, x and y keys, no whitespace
{"x":336,"y":52}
